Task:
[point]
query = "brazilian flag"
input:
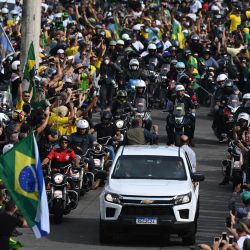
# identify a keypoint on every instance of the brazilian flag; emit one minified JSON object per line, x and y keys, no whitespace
{"x":21,"y":173}
{"x":30,"y":66}
{"x":29,"y":71}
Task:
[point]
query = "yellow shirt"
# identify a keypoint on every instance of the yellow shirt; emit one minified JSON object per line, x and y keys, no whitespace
{"x":72,"y":51}
{"x":235,"y":21}
{"x":19,"y":104}
{"x":59,"y":123}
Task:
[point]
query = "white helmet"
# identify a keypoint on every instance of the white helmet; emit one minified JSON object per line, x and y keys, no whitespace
{"x":14,"y":65}
{"x":126,"y":37}
{"x":246,"y":96}
{"x":82,"y":124}
{"x":180,"y":67}
{"x":7,"y":147}
{"x":140,"y":84}
{"x":179,"y":87}
{"x":243,"y":116}
{"x":5,"y":11}
{"x":221,"y":78}
{"x":137,"y":27}
{"x":151,"y":46}
{"x":60,"y":51}
{"x":134,"y":64}
{"x":14,"y":12}
{"x":4,"y":119}
{"x":119,"y":42}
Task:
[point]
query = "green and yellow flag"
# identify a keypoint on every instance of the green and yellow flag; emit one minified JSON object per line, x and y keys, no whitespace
{"x":21,"y":172}
{"x":30,"y":66}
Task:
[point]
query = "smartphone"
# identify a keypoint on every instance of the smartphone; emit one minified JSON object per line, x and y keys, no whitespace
{"x":216,"y":238}
{"x":224,"y":236}
{"x":228,"y":222}
{"x":231,"y":239}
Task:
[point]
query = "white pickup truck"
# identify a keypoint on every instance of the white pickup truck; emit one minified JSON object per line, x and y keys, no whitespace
{"x":150,"y":188}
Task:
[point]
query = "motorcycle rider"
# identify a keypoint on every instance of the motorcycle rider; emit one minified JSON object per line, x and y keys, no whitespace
{"x":62,"y":156}
{"x":221,"y":96}
{"x":134,"y":72}
{"x":121,"y":103}
{"x":109,"y":72}
{"x":105,"y":129}
{"x":152,"y":56}
{"x":141,"y":93}
{"x":180,"y":98}
{"x":244,"y":107}
{"x":242,"y":125}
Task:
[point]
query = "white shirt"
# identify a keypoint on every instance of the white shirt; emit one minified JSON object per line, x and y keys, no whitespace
{"x":191,"y":155}
{"x":138,"y":46}
{"x":166,"y":45}
{"x":195,"y":7}
{"x":241,"y":240}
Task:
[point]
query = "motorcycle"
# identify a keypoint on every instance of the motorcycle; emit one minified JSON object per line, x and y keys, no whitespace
{"x":100,"y":156}
{"x":160,"y":92}
{"x":230,"y":109}
{"x":122,"y":121}
{"x":140,"y":106}
{"x":86,"y":178}
{"x":232,"y":164}
{"x":130,"y":86}
{"x":61,"y":198}
{"x":177,"y":124}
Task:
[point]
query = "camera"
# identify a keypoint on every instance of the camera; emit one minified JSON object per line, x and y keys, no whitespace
{"x":224,"y":236}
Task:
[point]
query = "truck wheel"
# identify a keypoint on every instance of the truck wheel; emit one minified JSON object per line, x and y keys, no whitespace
{"x":189,"y":238}
{"x":105,"y":237}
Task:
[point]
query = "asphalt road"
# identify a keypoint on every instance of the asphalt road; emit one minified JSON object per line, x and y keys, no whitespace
{"x":79,"y":229}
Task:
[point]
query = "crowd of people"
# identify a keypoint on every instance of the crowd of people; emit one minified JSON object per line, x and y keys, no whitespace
{"x":114,"y":58}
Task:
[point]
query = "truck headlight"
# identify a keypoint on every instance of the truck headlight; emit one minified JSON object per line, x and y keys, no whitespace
{"x":182,"y":199}
{"x":113,"y":198}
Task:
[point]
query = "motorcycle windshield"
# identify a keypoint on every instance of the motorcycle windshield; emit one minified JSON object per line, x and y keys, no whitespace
{"x":5,"y":99}
{"x":233,"y":101}
{"x":141,"y":104}
{"x":179,"y":110}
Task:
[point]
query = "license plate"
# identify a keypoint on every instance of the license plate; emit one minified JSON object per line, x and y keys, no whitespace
{"x":146,"y":221}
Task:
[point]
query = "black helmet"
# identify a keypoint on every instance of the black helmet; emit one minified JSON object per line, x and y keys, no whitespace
{"x":122,"y":93}
{"x":228,"y":83}
{"x":206,"y":51}
{"x":106,"y":117}
{"x":64,"y":138}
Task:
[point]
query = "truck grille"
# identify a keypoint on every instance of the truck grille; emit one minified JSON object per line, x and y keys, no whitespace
{"x":147,"y":211}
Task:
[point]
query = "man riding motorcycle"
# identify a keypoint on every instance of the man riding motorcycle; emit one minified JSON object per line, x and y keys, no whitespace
{"x":62,"y":156}
{"x":221,"y":96}
{"x":180,"y":98}
{"x":121,"y":104}
{"x":81,"y":140}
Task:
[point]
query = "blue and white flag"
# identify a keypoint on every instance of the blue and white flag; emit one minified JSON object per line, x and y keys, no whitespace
{"x":5,"y":45}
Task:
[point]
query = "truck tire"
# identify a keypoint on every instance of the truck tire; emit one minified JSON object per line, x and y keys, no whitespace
{"x":105,"y":237}
{"x":189,"y":238}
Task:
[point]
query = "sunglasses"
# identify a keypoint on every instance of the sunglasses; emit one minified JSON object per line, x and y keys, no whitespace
{"x":27,"y":96}
{"x":64,"y":142}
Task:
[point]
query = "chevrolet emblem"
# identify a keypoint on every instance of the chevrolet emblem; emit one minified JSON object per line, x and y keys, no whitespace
{"x":147,"y":202}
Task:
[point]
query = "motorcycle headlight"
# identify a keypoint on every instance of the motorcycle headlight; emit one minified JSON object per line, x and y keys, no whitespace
{"x":113,"y":198}
{"x":182,"y":199}
{"x":58,"y":178}
{"x":119,"y":124}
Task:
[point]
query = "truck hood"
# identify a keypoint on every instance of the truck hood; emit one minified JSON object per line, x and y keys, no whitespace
{"x":138,"y":187}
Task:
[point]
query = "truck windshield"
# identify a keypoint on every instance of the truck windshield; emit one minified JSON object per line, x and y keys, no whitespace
{"x":149,"y":167}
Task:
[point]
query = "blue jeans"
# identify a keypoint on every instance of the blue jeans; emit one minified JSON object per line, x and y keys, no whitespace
{"x":111,"y":152}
